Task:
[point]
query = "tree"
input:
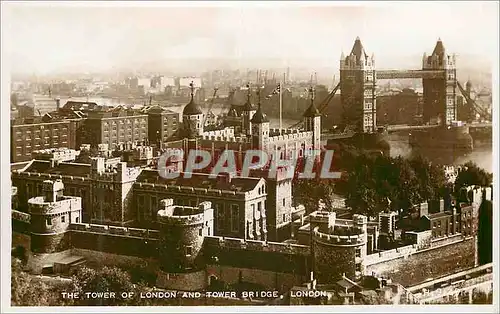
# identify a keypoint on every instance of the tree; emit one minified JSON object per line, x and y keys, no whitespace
{"x":378,"y":183}
{"x":471,"y":174}
{"x":27,"y":290}
{"x":312,"y":192}
{"x":107,"y":279}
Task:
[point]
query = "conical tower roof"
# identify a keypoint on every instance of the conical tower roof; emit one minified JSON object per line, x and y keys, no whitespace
{"x":439,"y":49}
{"x":312,"y":111}
{"x":358,"y":50}
{"x":248,"y":105}
{"x":259,"y":116}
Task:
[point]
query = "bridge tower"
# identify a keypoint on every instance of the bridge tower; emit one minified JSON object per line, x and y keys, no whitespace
{"x":440,"y":97}
{"x":358,"y":83}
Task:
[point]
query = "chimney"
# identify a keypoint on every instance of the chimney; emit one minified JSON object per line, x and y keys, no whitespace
{"x":441,"y":205}
{"x":58,"y":104}
{"x":226,"y":177}
{"x":424,"y":209}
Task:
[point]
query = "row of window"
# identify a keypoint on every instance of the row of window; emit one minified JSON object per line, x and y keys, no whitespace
{"x":47,"y":131}
{"x":125,"y":121}
{"x":63,"y":220}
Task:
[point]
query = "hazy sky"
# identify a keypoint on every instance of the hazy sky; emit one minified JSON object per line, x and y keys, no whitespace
{"x":43,"y":38}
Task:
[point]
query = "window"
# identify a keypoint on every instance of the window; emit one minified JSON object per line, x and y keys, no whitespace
{"x":189,"y":250}
{"x":283,"y":202}
{"x":200,"y":232}
{"x":358,"y":267}
{"x":358,"y":252}
{"x":77,"y":220}
{"x":49,"y":221}
{"x":63,"y":218}
{"x":235,"y":217}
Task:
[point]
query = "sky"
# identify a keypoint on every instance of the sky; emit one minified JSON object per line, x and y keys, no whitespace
{"x":46,"y":37}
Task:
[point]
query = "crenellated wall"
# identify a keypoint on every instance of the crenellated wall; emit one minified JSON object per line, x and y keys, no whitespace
{"x":289,"y":135}
{"x":253,"y":245}
{"x":188,"y":190}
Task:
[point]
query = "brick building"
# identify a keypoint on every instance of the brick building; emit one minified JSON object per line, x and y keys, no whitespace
{"x":116,"y":126}
{"x":162,"y":125}
{"x":29,"y":135}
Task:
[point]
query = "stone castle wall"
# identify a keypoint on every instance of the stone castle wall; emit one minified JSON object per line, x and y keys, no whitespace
{"x":409,"y":269}
{"x":115,"y":240}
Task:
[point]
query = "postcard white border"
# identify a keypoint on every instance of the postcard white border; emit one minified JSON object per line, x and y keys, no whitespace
{"x":6,"y":235}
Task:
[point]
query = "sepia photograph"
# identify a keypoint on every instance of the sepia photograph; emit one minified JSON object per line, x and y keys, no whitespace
{"x":249,"y":156}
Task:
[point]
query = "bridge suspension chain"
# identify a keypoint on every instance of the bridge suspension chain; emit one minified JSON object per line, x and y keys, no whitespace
{"x":323,"y":104}
{"x":478,"y":109}
{"x":209,"y":111}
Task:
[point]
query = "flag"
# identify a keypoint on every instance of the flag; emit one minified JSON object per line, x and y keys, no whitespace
{"x":276,"y":91}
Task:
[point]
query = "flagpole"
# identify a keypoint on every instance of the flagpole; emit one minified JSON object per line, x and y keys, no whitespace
{"x":281,"y":104}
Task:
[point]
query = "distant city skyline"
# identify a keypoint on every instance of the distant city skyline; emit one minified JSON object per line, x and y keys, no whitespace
{"x":42,"y":39}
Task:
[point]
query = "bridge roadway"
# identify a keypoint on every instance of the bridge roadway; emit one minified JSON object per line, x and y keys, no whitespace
{"x":402,"y":127}
{"x":453,"y":285}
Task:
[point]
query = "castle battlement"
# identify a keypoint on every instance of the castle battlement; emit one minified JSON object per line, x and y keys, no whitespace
{"x":292,"y":136}
{"x":276,"y":131}
{"x":48,"y":176}
{"x":21,"y":216}
{"x":184,"y":215}
{"x":113,"y":230}
{"x":226,"y":132}
{"x":333,"y":239}
{"x":188,"y":189}
{"x":225,"y":139}
{"x":40,"y":206}
{"x":255,"y":245}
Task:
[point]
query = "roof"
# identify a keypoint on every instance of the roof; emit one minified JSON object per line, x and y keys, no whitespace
{"x":80,"y":105}
{"x":437,"y":215}
{"x":347,"y":284}
{"x":192,"y":108}
{"x":63,"y":168}
{"x":259,"y":116}
{"x":201,"y":180}
{"x":439,"y":49}
{"x":358,"y":50}
{"x":248,"y":106}
{"x":19,"y":165}
{"x":312,"y":111}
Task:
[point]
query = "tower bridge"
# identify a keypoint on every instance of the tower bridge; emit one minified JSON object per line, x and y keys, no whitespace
{"x":358,"y":83}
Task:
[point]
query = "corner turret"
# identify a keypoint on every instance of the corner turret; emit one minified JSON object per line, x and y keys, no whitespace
{"x":260,"y":129}
{"x":51,"y":215}
{"x":192,"y":117}
{"x":247,"y":113}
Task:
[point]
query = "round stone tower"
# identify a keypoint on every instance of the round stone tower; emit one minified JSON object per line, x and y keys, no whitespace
{"x":182,"y":231}
{"x":339,"y":248}
{"x":51,"y":215}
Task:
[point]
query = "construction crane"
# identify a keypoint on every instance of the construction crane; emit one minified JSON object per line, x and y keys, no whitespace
{"x":210,"y":105}
{"x":323,"y":104}
{"x":477,"y":109}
